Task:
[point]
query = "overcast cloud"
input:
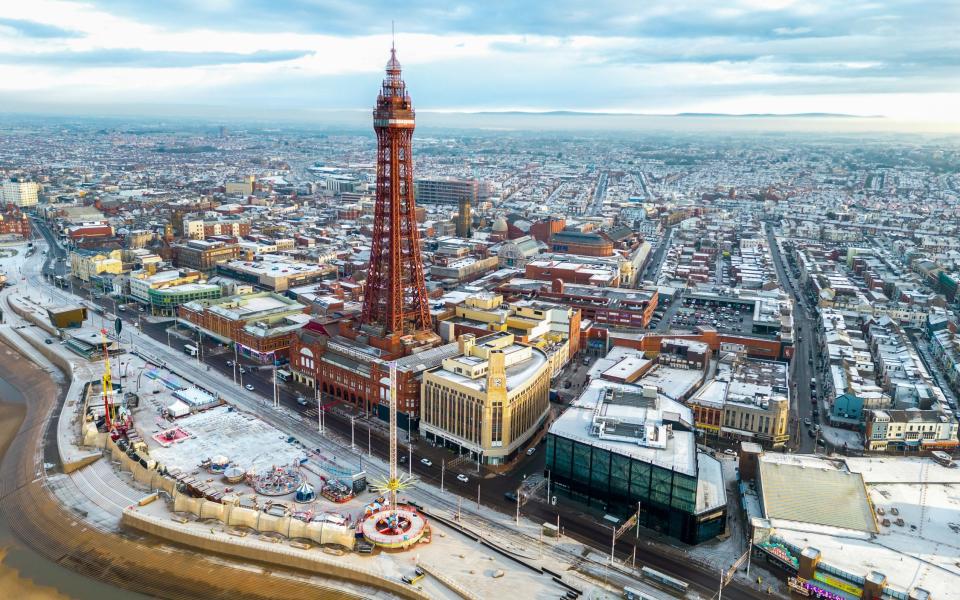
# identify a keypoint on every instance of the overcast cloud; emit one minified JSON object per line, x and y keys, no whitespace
{"x":895,"y":58}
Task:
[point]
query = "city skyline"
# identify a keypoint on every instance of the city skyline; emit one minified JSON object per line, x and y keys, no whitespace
{"x":242,"y":58}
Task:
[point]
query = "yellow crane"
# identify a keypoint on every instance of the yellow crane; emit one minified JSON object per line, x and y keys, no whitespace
{"x":106,"y":384}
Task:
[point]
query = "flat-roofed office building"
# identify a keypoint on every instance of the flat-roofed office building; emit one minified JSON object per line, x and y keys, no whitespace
{"x":446,"y":191}
{"x":622,"y":447}
{"x":489,"y":400}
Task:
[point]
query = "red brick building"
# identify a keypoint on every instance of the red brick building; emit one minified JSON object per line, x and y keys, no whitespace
{"x":585,"y":243}
{"x":352,"y":373}
{"x":543,"y":230}
{"x":14,"y":222}
{"x":259,"y":323}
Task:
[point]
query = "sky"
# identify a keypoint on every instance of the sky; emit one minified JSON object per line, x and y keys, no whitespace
{"x":898,"y":59}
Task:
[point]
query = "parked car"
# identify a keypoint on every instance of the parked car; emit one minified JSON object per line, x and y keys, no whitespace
{"x":807,"y":421}
{"x":426,"y":462}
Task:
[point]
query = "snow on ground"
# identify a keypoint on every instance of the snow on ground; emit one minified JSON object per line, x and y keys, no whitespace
{"x":247,"y":441}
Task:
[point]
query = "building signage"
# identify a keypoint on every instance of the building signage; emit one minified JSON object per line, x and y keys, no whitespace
{"x":818,"y":592}
{"x":796,"y":585}
{"x":837,"y":583}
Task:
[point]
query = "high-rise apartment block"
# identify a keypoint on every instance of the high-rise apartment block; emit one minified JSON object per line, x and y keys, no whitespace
{"x":21,"y":194}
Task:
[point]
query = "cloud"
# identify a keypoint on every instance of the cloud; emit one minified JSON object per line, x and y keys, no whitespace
{"x":33,"y":29}
{"x":666,"y":56}
{"x":133,"y":57}
{"x":792,"y":30}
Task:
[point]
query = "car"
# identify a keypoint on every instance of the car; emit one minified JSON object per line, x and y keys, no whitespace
{"x":301,"y":401}
{"x":249,"y":386}
{"x":807,"y":421}
{"x":511,"y":496}
{"x":402,"y":459}
{"x":418,"y":574}
{"x":531,"y":450}
{"x":462,"y":478}
{"x":229,"y":363}
{"x":566,"y":385}
{"x":48,"y":341}
{"x":242,"y":370}
{"x":811,"y":433}
{"x":426,"y":462}
{"x":730,"y":452}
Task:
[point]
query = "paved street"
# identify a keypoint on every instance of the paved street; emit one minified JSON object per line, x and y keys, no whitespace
{"x":805,"y":352}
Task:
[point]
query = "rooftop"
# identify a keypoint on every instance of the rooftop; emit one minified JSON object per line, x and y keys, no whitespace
{"x":675,"y":450}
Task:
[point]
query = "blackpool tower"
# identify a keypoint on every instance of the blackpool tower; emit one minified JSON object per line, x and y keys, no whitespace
{"x":396,"y":310}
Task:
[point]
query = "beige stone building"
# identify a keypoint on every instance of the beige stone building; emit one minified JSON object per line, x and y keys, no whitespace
{"x":489,"y":400}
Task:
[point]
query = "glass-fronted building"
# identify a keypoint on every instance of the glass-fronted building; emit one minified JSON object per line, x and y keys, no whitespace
{"x":620,"y":446}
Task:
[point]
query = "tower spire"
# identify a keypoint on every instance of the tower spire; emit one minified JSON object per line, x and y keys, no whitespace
{"x":395,"y":302}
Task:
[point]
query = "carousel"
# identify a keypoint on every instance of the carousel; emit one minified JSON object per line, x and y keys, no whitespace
{"x":277,"y":480}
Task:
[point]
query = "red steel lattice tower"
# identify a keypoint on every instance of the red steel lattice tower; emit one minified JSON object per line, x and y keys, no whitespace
{"x":395,"y":299}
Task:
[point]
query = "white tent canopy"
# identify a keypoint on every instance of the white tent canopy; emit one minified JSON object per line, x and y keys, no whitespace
{"x":178,"y":409}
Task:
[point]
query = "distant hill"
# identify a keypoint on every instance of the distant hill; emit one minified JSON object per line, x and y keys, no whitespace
{"x":575,"y":113}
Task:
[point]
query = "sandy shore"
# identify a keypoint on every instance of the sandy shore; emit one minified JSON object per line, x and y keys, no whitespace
{"x":126,"y":562}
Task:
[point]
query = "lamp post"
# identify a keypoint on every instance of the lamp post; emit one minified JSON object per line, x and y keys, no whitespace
{"x":518,"y":506}
{"x":352,"y":421}
{"x":276,"y":391}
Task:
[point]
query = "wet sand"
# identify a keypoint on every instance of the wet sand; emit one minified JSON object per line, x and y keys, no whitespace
{"x":47,"y":553}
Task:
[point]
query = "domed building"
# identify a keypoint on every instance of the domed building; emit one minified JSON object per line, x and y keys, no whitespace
{"x":499,"y":230}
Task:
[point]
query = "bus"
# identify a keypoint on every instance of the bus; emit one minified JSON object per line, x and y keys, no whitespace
{"x":664,"y":579}
{"x":190,"y":349}
{"x":283,"y":375}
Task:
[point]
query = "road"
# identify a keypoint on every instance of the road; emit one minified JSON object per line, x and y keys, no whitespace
{"x":599,"y":194}
{"x":652,"y":269}
{"x":806,"y":353}
{"x":152,"y":341}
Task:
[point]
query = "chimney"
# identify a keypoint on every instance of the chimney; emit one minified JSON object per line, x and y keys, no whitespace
{"x":556,"y":286}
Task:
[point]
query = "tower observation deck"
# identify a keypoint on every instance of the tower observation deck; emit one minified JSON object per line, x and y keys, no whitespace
{"x":395,"y":303}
